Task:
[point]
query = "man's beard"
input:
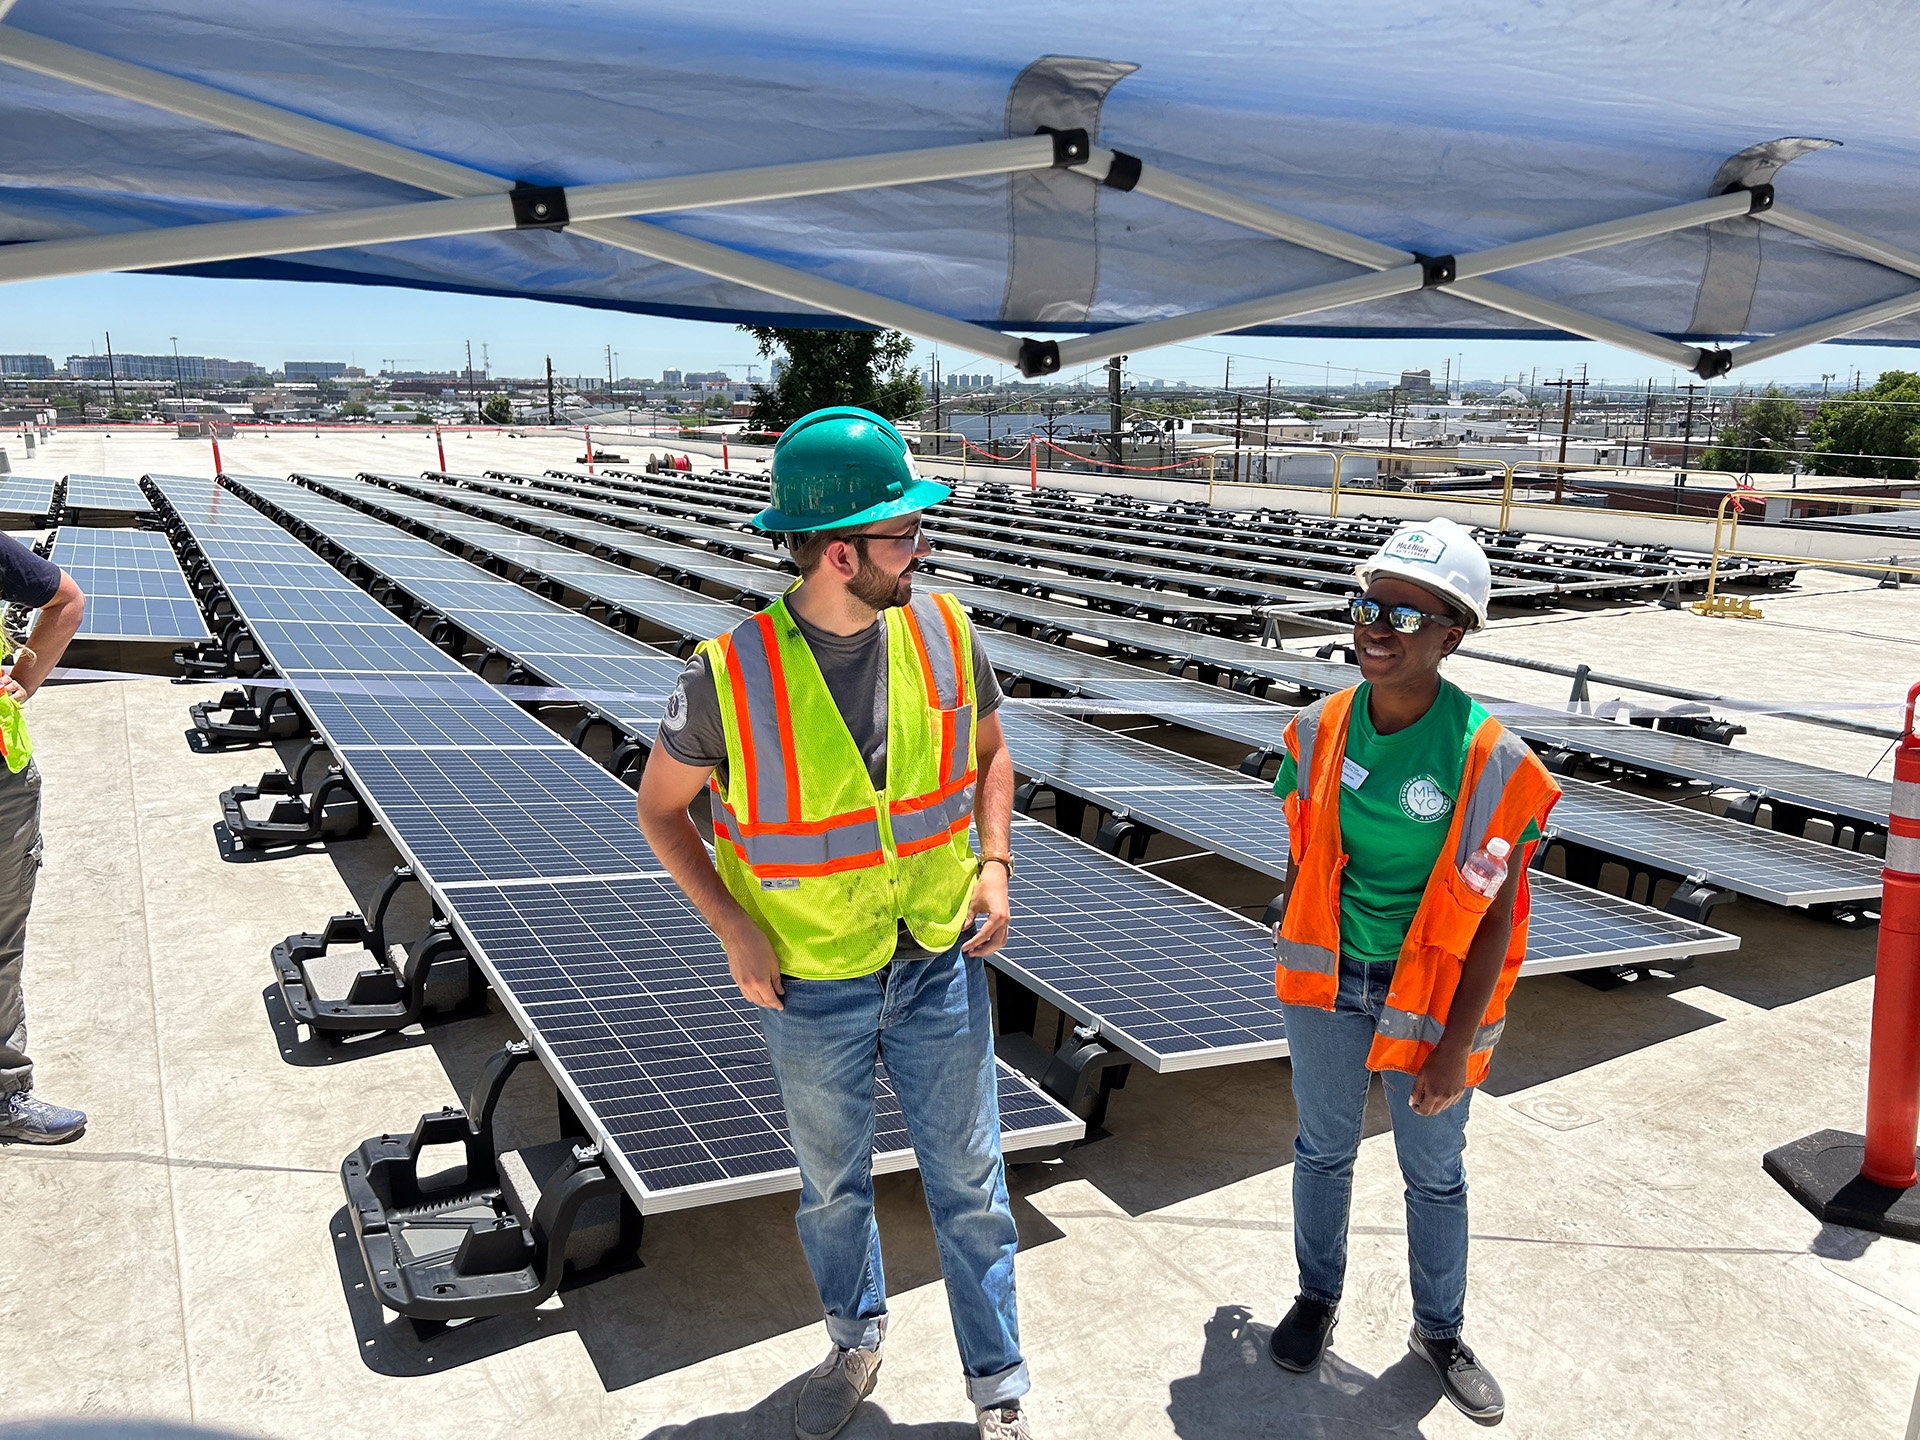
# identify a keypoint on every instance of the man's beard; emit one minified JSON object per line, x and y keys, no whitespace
{"x":877,"y":590}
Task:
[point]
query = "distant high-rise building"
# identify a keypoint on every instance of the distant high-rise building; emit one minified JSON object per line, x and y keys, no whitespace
{"x":1416,"y":379}
{"x":314,"y":369}
{"x":1159,"y":384}
{"x":34,"y":367}
{"x":138,"y":367}
{"x":233,"y":371}
{"x":671,"y":379}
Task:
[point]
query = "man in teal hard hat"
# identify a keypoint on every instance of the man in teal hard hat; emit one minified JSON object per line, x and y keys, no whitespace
{"x":847,"y":739}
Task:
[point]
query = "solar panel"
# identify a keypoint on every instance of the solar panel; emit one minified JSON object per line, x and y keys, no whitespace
{"x":1783,"y":869}
{"x":626,"y":993}
{"x":24,"y":498}
{"x":1829,"y":792}
{"x":132,"y":582}
{"x":104,"y":494}
{"x":1173,"y":980}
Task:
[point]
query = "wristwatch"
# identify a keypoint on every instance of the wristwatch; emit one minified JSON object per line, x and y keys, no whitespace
{"x":1006,"y":860}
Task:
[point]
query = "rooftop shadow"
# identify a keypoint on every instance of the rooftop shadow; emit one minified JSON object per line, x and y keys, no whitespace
{"x":1239,"y":1391}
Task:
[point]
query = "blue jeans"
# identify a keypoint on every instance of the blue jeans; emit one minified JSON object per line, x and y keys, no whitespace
{"x":929,"y":1021}
{"x":1330,"y":1077}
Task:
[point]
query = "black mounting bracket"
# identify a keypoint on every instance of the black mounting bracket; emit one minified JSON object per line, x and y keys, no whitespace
{"x":1124,"y":837}
{"x":259,"y":718}
{"x":503,"y":1232}
{"x":1435,"y":270}
{"x":434,"y":974}
{"x":1714,"y":363}
{"x":296,"y":819}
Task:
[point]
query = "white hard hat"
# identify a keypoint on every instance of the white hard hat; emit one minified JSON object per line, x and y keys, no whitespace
{"x":1439,"y":555}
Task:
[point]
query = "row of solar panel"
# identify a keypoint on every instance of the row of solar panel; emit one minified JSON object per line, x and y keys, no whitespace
{"x":1215,"y":809}
{"x":1826,"y":791}
{"x":533,"y":852}
{"x":1779,"y":868}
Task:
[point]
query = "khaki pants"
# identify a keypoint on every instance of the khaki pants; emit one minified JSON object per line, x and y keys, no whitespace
{"x":19,"y":867}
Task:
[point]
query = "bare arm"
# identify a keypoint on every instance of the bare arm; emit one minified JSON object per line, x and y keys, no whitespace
{"x":993,"y":818}
{"x":667,"y":788}
{"x":59,"y":621}
{"x":1443,"y":1078}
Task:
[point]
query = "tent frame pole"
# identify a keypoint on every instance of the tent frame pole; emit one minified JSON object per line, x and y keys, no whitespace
{"x":395,"y":162}
{"x":554,"y":207}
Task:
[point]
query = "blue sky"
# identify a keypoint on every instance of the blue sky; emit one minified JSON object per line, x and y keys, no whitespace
{"x":274,"y":321}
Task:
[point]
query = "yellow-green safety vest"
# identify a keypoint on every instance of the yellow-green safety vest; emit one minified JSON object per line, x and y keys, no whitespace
{"x":14,"y":740}
{"x":826,"y":865}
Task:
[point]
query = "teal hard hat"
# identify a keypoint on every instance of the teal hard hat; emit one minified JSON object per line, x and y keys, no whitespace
{"x":843,"y":466}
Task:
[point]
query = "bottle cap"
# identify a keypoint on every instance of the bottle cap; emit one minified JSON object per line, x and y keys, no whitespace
{"x":1498,"y":847}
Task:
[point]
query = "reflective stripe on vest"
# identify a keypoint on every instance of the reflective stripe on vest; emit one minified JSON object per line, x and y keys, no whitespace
{"x":824,"y":862}
{"x":1503,"y":787}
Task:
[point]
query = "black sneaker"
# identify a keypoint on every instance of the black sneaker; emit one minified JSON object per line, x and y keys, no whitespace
{"x":1463,"y":1379}
{"x":1301,"y":1339}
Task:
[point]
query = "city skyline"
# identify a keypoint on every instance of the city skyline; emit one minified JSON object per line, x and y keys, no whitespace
{"x":385,"y":328}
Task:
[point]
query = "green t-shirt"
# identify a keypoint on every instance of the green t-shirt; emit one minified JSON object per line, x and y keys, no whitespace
{"x":1394,"y":821}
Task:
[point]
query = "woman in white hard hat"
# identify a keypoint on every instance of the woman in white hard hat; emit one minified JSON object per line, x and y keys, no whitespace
{"x":1412,"y":815}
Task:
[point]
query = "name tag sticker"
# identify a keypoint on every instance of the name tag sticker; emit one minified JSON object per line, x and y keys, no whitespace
{"x":788,"y":882}
{"x":1351,"y":775}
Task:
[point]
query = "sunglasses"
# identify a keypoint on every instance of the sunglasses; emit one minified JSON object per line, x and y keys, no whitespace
{"x":912,"y":537}
{"x":1403,"y":618}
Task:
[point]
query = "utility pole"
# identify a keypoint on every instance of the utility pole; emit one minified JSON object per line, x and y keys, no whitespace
{"x":552,"y":417}
{"x":113,"y":383}
{"x":937,"y":427}
{"x":179,"y":391}
{"x":609,"y":370}
{"x":1239,"y":404}
{"x":473,"y":393}
{"x":1646,"y":426}
{"x":1566,"y":424}
{"x":1266,"y":429}
{"x":1686,"y":449}
{"x":486,"y":363}
{"x":1113,"y":406}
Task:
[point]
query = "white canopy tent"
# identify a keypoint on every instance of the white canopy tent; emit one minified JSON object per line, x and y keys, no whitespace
{"x":969,"y":177}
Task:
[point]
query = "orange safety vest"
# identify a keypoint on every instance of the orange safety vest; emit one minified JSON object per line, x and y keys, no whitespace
{"x":1503,"y":787}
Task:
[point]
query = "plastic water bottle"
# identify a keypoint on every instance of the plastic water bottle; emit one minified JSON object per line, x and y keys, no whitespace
{"x":1486,"y":868}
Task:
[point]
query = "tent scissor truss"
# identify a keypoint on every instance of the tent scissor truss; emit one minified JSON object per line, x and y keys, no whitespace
{"x":475,"y":201}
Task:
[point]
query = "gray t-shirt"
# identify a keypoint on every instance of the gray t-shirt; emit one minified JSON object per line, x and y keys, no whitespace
{"x":855,"y":669}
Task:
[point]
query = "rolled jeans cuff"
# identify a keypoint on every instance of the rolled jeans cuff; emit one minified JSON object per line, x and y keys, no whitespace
{"x":1452,"y":1332}
{"x":855,"y":1334}
{"x":990,"y":1390}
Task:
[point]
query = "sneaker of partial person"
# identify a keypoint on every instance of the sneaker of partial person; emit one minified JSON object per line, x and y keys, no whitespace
{"x":33,"y":1121}
{"x":1302,"y":1336}
{"x":1004,"y":1422}
{"x":833,"y":1390}
{"x":1463,"y":1379}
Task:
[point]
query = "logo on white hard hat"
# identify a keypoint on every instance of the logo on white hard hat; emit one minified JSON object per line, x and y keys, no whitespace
{"x":1418,"y":545}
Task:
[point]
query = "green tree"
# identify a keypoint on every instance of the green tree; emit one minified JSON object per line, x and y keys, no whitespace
{"x":421,"y":417}
{"x":1871,"y":435}
{"x":868,"y":368}
{"x":497,"y":411}
{"x":353,"y":407}
{"x":1759,"y":438}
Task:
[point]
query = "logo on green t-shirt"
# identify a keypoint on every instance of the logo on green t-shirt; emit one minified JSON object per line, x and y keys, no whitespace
{"x":1423,"y":799}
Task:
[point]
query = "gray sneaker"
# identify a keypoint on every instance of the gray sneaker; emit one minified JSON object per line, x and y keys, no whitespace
{"x":35,"y":1122}
{"x":1004,"y":1422}
{"x":833,"y":1391}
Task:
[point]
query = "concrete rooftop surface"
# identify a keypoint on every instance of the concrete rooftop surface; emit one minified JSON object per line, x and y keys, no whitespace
{"x":1634,"y":1272}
